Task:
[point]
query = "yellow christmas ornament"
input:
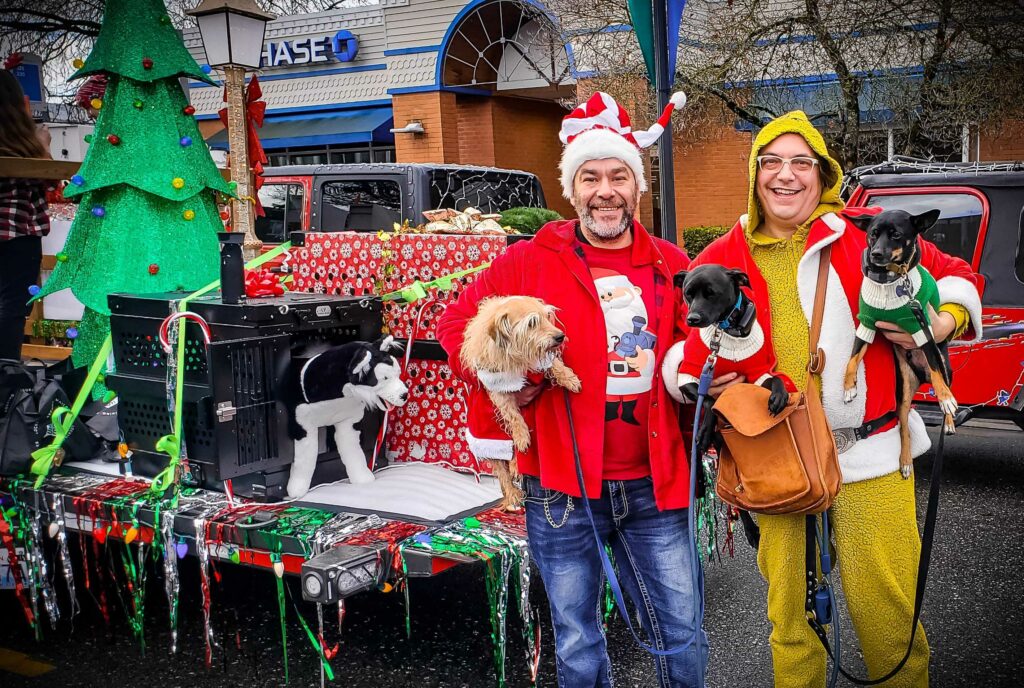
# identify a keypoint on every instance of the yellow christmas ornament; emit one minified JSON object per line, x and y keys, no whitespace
{"x":178,"y":183}
{"x":78,"y":63}
{"x":96,"y":103}
{"x":189,"y":215}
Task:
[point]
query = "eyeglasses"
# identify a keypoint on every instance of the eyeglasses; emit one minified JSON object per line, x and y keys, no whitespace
{"x":773,"y":163}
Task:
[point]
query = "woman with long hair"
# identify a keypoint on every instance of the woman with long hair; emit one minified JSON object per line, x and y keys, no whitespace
{"x":23,"y":218}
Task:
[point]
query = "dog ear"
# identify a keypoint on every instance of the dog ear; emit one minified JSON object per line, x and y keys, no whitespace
{"x":861,"y":222}
{"x":501,"y":330}
{"x":361,"y":365}
{"x":926,"y":220}
{"x":739,"y":277}
{"x":387,"y":344}
{"x":679,"y":278}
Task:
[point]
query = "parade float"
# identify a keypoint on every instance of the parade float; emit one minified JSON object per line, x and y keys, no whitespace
{"x":192,"y":360}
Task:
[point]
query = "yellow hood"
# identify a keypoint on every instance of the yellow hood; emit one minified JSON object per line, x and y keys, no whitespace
{"x":794,"y":122}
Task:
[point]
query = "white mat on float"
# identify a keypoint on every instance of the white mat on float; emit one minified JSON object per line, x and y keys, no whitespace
{"x":411,"y":489}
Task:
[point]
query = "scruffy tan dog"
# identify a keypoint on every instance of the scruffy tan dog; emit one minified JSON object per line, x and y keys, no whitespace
{"x":509,"y":337}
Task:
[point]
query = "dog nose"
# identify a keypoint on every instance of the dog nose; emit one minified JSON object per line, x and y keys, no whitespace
{"x":877,"y":256}
{"x":404,"y":396}
{"x":559,"y":338}
{"x":692,"y":319}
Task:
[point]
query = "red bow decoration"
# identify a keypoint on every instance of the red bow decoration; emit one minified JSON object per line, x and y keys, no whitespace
{"x":255,"y":110}
{"x":12,"y":61}
{"x":262,"y":282}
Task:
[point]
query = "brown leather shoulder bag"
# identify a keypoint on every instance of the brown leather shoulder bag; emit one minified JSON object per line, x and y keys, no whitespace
{"x":784,"y":464}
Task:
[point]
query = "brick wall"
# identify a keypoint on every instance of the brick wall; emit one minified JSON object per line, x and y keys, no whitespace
{"x":1006,"y":143}
{"x":711,"y":177}
{"x":439,"y":142}
{"x":477,"y":130}
{"x":526,"y":138}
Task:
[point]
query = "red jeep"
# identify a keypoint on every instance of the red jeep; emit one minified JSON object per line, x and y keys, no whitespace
{"x":982,"y":221}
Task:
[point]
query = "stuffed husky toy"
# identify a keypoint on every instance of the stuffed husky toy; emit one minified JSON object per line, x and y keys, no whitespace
{"x":336,"y":388}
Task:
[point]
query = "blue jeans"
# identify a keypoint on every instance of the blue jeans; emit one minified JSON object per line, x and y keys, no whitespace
{"x":653,"y":566}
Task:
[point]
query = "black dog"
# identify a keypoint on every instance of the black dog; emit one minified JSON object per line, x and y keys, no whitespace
{"x":898,"y":289}
{"x":714,"y":299}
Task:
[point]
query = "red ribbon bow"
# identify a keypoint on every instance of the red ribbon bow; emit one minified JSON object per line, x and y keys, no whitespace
{"x":262,"y":282}
{"x":255,"y":110}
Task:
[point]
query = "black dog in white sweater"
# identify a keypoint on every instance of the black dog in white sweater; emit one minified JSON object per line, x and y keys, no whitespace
{"x":336,"y":388}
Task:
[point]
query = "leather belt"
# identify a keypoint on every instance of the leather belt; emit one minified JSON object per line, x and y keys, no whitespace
{"x":847,"y":437}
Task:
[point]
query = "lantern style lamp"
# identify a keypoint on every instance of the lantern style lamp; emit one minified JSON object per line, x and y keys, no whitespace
{"x":232,"y":32}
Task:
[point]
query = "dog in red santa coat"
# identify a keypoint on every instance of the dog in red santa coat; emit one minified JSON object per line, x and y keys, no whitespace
{"x":721,"y":313}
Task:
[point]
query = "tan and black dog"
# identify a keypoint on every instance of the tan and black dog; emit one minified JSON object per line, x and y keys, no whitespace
{"x":898,"y":289}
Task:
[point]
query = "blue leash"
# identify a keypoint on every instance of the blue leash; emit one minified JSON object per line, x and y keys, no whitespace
{"x":695,"y":566}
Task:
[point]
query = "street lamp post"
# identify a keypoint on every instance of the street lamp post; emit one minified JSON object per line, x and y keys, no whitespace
{"x":232,"y":32}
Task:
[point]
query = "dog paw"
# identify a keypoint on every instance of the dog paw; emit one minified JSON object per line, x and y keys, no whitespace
{"x":777,"y":402}
{"x":573,"y":384}
{"x":512,"y":502}
{"x":906,"y":471}
{"x":949,"y":427}
{"x":849,"y":394}
{"x":948,"y":406}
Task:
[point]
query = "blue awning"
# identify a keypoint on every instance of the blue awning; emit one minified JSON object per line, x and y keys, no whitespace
{"x":364,"y":125}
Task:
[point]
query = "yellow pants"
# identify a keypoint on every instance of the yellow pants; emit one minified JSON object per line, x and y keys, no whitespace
{"x":877,"y":547}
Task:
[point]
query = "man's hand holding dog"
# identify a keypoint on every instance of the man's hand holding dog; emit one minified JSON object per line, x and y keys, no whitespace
{"x":530,"y":392}
{"x":724,"y":382}
{"x":943,"y":326}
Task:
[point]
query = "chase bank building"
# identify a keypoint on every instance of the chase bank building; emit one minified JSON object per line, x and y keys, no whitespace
{"x":440,"y":81}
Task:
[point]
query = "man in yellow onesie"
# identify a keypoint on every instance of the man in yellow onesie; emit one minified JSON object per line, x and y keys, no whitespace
{"x":795,"y":210}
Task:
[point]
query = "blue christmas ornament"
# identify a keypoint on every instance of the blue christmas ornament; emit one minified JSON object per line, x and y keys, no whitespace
{"x":34,"y":290}
{"x":78,"y":180}
{"x":186,"y":141}
{"x":71,"y":332}
{"x":206,"y":69}
{"x":99,"y":211}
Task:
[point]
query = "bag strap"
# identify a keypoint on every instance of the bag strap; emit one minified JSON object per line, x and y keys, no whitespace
{"x":816,"y":362}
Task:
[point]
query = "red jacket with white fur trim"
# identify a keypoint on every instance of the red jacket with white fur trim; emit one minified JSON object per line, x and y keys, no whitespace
{"x":549,"y":268}
{"x":876,"y":379}
{"x":748,"y":356}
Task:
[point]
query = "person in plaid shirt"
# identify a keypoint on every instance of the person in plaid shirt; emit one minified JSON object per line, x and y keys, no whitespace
{"x":23,"y":218}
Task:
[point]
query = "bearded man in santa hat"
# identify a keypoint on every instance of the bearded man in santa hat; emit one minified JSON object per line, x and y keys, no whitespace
{"x":611,"y":282}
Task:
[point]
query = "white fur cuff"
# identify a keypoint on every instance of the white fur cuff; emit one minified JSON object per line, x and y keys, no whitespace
{"x":670,"y":369}
{"x":490,"y":449}
{"x":958,"y":290}
{"x":501,"y":382}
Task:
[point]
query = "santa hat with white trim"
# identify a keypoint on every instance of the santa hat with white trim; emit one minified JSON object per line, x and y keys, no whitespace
{"x":600,"y":129}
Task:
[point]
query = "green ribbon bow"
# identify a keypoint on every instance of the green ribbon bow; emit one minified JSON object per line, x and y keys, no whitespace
{"x":170,"y":445}
{"x":43,"y":458}
{"x":63,"y":419}
{"x":419,"y":290}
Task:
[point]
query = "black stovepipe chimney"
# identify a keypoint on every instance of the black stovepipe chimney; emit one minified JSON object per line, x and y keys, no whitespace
{"x":232,"y":269}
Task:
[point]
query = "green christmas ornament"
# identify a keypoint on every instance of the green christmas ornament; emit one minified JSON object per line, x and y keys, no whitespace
{"x":87,"y":138}
{"x":138,"y":104}
{"x":62,"y":257}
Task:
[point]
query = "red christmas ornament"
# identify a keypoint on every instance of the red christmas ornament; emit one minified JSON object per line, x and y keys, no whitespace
{"x":154,"y":268}
{"x":114,"y":139}
{"x":147,"y":63}
{"x":225,"y":216}
{"x":100,"y":533}
{"x":189,"y":110}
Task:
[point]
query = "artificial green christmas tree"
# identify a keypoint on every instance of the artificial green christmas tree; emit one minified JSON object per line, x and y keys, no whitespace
{"x":147,"y":219}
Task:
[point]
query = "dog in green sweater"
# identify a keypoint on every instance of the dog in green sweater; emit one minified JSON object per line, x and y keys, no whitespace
{"x":898,"y":289}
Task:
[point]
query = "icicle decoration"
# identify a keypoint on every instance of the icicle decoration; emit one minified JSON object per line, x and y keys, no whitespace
{"x":36,"y":570}
{"x":41,"y":570}
{"x":204,"y":572}
{"x":171,"y":581}
{"x":65,"y":557}
{"x":498,"y":568}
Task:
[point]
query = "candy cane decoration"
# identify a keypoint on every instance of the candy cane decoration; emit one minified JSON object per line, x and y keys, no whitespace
{"x":195,"y":317}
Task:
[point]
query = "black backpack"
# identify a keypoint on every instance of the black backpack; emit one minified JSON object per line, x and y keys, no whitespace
{"x":28,"y":396}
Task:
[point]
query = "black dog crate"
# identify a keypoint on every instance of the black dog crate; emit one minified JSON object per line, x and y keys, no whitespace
{"x":234,"y":419}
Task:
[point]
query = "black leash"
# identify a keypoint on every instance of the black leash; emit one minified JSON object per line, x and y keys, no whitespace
{"x":819,"y":603}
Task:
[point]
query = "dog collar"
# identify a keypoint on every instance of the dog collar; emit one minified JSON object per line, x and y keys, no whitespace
{"x":725,"y":321}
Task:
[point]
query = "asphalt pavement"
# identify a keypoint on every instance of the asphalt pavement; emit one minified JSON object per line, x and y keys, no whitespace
{"x":973,"y":614}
